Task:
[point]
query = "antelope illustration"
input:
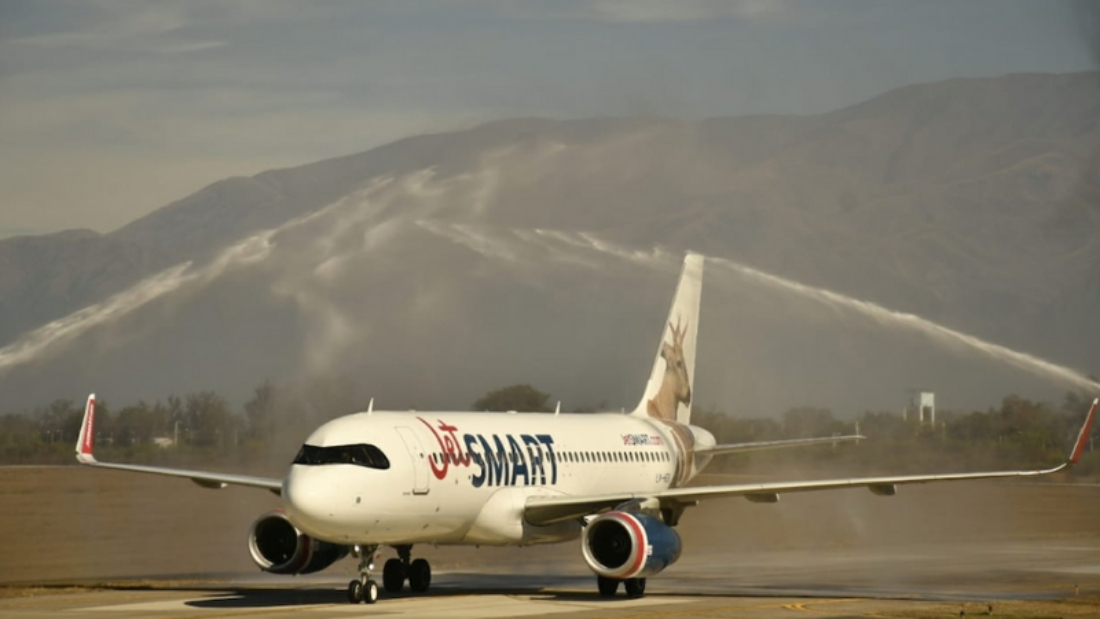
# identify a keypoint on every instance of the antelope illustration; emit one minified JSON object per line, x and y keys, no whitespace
{"x":675,"y":389}
{"x":675,"y":386}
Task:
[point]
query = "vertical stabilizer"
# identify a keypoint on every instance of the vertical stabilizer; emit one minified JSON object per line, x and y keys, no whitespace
{"x":670,"y":388}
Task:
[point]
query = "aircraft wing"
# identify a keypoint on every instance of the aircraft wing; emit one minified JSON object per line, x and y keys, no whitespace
{"x":203,"y":478}
{"x":732,"y":448}
{"x":548,"y":510}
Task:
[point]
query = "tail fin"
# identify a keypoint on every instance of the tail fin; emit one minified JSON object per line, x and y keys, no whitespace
{"x":84,"y":442}
{"x":670,"y":388}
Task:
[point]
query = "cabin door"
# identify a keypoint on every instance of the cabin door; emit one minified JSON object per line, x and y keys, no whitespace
{"x":419,"y":459}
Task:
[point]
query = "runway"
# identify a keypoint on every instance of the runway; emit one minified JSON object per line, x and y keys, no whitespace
{"x":80,"y":543}
{"x":1060,"y":577}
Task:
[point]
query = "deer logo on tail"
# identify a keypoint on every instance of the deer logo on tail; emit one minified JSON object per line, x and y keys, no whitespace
{"x":675,"y":385}
{"x":675,"y":390}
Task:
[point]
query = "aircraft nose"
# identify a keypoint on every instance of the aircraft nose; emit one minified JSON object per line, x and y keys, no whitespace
{"x":307,"y":501}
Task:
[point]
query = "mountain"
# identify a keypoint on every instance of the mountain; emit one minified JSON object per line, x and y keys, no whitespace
{"x":44,"y":278}
{"x":440,"y":266}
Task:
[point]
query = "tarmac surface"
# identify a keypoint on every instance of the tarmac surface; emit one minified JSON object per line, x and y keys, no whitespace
{"x":81,"y":543}
{"x":1019,"y":579}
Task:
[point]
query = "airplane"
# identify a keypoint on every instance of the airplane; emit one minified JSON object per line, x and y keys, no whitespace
{"x":617,"y":481}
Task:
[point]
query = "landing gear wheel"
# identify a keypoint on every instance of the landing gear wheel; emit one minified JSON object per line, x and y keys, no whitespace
{"x":420,"y":575}
{"x":607,"y":586}
{"x":363,"y":590}
{"x":355,"y":592}
{"x":393,"y":576}
{"x":370,"y":592}
{"x":635,"y":587}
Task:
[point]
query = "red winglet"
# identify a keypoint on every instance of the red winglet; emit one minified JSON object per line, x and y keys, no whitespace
{"x":84,"y":442}
{"x":1083,"y":437}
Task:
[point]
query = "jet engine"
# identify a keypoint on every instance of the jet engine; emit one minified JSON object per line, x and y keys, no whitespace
{"x":625,"y":545}
{"x":277,"y":546}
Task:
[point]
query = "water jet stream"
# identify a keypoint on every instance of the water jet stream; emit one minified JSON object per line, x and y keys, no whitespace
{"x":941,"y":334}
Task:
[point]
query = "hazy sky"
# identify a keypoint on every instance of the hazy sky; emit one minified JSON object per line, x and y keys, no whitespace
{"x":112,"y":108}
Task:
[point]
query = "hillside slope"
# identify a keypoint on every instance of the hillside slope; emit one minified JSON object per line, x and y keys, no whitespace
{"x":973,"y":202}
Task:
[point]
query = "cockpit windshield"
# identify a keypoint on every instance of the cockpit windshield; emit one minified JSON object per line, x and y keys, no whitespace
{"x":360,"y":455}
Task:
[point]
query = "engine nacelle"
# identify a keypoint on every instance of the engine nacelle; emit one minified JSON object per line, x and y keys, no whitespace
{"x":277,"y":546}
{"x":626,"y":545}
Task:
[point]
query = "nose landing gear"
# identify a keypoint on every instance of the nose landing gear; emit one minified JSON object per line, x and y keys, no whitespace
{"x":364,"y":589}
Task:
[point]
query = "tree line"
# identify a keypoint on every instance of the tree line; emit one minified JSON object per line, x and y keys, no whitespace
{"x":202,"y":428}
{"x":1018,"y":434}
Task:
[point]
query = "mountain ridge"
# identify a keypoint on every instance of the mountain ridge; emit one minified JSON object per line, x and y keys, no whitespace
{"x":970,"y":201}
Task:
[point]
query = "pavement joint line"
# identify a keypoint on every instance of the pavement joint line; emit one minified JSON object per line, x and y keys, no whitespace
{"x":51,"y":598}
{"x":245,"y":613}
{"x":706,"y":610}
{"x":805,"y":606}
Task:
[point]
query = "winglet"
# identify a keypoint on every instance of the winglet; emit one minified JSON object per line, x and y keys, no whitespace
{"x":84,"y":441}
{"x":1083,"y":436}
{"x":370,"y":407}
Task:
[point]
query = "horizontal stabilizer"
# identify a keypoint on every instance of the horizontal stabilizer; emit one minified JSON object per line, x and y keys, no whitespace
{"x":734,"y":448}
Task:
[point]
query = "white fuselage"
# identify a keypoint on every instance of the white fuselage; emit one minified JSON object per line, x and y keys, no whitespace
{"x":463,"y":478}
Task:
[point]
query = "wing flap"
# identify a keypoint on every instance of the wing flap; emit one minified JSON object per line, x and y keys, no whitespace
{"x":205,"y":479}
{"x":884,"y":486}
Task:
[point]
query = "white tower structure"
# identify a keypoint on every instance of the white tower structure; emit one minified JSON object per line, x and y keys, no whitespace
{"x":925,"y":403}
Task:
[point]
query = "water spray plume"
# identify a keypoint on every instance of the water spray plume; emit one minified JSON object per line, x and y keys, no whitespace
{"x":660,"y":259}
{"x":940,"y":333}
{"x":71,"y":326}
{"x":249,"y":250}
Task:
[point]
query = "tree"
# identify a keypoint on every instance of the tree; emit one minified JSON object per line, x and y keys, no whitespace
{"x":260,"y":411}
{"x":513,"y":398}
{"x":208,"y":418}
{"x":808,"y":422}
{"x":139,"y":423}
{"x":55,"y":419}
{"x":174,"y":413}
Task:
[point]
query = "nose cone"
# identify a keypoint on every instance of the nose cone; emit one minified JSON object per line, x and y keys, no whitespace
{"x":313,"y":502}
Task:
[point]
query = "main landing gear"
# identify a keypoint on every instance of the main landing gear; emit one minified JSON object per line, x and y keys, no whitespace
{"x":635,"y":587}
{"x":396,"y":571}
{"x":394,"y":574}
{"x":364,"y":589}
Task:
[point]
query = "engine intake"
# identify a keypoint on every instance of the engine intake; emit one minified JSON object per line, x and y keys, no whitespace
{"x":625,"y":545}
{"x":277,"y":546}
